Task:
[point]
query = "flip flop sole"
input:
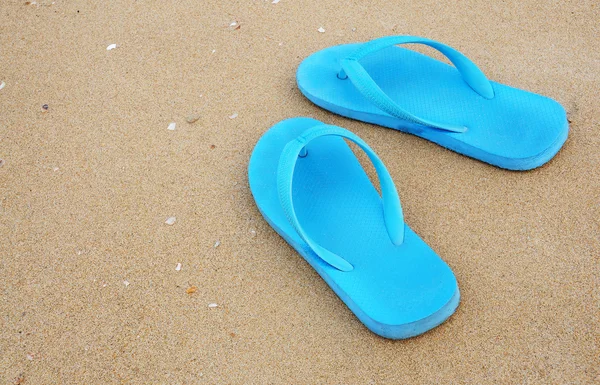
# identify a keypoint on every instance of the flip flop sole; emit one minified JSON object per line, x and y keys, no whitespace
{"x":396,"y":291}
{"x":515,"y":130}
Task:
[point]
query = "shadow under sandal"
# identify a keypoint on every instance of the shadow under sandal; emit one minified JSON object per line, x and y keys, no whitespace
{"x":455,"y":107}
{"x":311,"y":188}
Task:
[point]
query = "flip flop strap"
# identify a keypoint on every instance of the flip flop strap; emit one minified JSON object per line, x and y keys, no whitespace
{"x":392,"y":210}
{"x":364,"y":83}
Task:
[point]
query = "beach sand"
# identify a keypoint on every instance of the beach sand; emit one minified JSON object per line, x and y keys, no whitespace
{"x":90,"y":289}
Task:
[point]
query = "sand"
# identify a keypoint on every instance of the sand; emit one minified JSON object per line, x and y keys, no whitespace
{"x":90,"y":289}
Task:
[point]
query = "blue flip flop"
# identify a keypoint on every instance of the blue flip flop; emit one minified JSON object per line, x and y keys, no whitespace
{"x":310,"y":187}
{"x":455,"y":107}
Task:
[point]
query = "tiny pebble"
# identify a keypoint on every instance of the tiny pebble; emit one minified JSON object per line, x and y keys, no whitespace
{"x":45,"y":107}
{"x":212,"y":146}
{"x":192,"y":118}
{"x":253,"y":233}
{"x":178,"y":267}
{"x":235,"y":115}
{"x":30,"y":357}
{"x":2,"y":162}
{"x":2,"y":85}
{"x":191,"y":290}
{"x":275,"y":1}
{"x":321,"y":29}
{"x":212,"y":305}
{"x":354,"y":29}
{"x":233,"y":24}
{"x":214,"y":50}
{"x":170,"y":220}
{"x":111,"y":47}
{"x":172,"y":127}
{"x":217,"y":243}
{"x":55,"y":169}
{"x":126,"y":283}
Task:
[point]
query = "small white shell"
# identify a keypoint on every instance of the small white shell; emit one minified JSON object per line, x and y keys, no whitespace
{"x":235,"y":115}
{"x":321,"y":29}
{"x":170,"y":220}
{"x":2,"y":85}
{"x":192,"y":118}
{"x":212,"y":305}
{"x":111,"y":47}
{"x":178,"y":267}
{"x":172,"y":127}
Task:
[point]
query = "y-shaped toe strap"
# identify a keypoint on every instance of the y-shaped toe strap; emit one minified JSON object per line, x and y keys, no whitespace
{"x":392,"y":210}
{"x":351,"y":68}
